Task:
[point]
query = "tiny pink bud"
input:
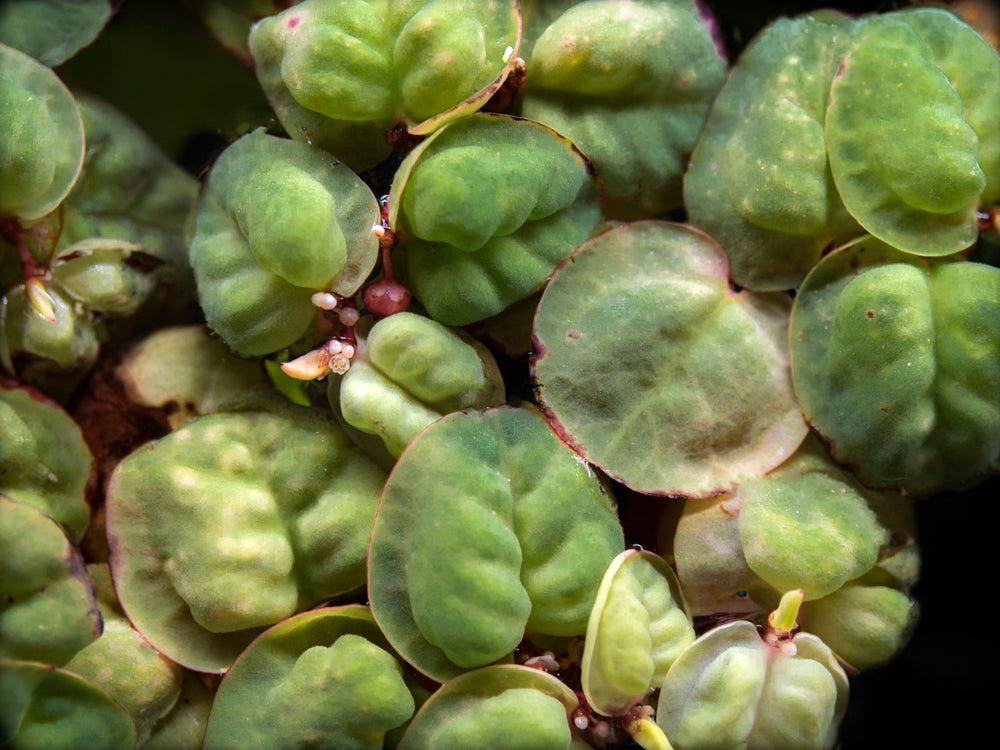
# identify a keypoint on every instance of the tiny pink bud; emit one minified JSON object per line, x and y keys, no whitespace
{"x":386,"y":297}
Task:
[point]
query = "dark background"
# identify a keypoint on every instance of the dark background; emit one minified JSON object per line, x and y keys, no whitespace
{"x":942,"y":689}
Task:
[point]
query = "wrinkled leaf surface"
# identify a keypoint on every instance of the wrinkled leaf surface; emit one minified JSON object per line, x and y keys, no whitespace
{"x":488,"y":206}
{"x":896,"y":361}
{"x":638,"y":627}
{"x":488,"y":526}
{"x":47,"y":607}
{"x":234,"y":522}
{"x":325,"y":677}
{"x":630,"y":83}
{"x":277,"y":222}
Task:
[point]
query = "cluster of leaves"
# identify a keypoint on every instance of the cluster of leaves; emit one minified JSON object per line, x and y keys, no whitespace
{"x":747,"y":291}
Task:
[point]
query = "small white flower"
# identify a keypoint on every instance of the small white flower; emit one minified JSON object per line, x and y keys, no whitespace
{"x":339,"y":363}
{"x":324,"y":300}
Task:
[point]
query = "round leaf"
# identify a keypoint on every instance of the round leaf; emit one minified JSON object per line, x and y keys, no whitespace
{"x":187,"y":372}
{"x":44,"y":460}
{"x":106,"y":275}
{"x":256,"y":516}
{"x":184,"y":726}
{"x":506,"y":707}
{"x":488,"y":526}
{"x":341,"y":75}
{"x":374,"y":405}
{"x":916,"y":187}
{"x":896,"y":361}
{"x":700,"y":395}
{"x":865,"y":625}
{"x":973,"y":68}
{"x":53,"y":355}
{"x":489,"y":206}
{"x":277,"y":222}
{"x":321,"y":678}
{"x":708,"y":553}
{"x":143,"y":681}
{"x":129,"y":190}
{"x":47,"y":606}
{"x":630,"y":83}
{"x":730,"y":689}
{"x":808,"y":525}
{"x":50,"y":709}
{"x":41,"y":137}
{"x":409,"y":371}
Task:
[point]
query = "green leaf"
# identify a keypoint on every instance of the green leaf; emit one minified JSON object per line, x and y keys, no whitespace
{"x":184,"y":726}
{"x":52,"y":31}
{"x":506,"y":707}
{"x":488,"y":526}
{"x":128,"y":189}
{"x":536,"y":16}
{"x":701,"y":397}
{"x":322,"y":678}
{"x":708,"y":554}
{"x":865,"y":624}
{"x":630,"y":83}
{"x":435,"y":363}
{"x":409,"y":371}
{"x":973,"y":68}
{"x":896,"y":361}
{"x":638,"y":627}
{"x":106,"y":275}
{"x":47,"y":607}
{"x":143,"y":681}
{"x":374,"y":404}
{"x":64,"y":349}
{"x":44,"y":460}
{"x":489,"y":206}
{"x":808,"y":525}
{"x":257,"y":515}
{"x":50,"y":709}
{"x":902,"y":154}
{"x":339,"y":76}
{"x":277,"y":222}
{"x":759,"y":182}
{"x":731,"y":689}
{"x":187,"y":372}
{"x":41,"y":137}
